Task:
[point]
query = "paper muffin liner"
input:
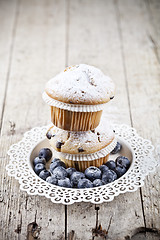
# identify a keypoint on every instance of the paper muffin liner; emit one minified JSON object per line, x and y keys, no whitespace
{"x":88,"y":157}
{"x":72,"y":107}
{"x":75,"y":121}
{"x":83,"y":165}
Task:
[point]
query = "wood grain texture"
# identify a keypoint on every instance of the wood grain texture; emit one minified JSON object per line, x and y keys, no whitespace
{"x":39,"y":39}
{"x":146,"y":236}
{"x":143,"y":71}
{"x":153,"y":8}
{"x":38,"y":54}
{"x":8,"y":26}
{"x":92,"y":43}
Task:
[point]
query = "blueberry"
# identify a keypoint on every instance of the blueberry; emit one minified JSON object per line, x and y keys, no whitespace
{"x":93,"y":173}
{"x":56,"y":164}
{"x":44,"y":174}
{"x":59,"y":144}
{"x":75,"y":177}
{"x":84,"y":183}
{"x":65,"y":183}
{"x":48,"y":135}
{"x":123,"y":162}
{"x":120,"y":171}
{"x":55,"y":160}
{"x":97,"y":183}
{"x":39,"y":167}
{"x":52,"y":180}
{"x":45,"y":153}
{"x":103,"y":168}
{"x":39,"y":160}
{"x":109,"y":176}
{"x":59,"y":172}
{"x":111,"y":164}
{"x":80,"y":149}
{"x":117,"y":148}
{"x":70,"y":171}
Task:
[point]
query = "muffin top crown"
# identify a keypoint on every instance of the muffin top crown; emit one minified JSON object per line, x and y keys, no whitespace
{"x":81,"y":84}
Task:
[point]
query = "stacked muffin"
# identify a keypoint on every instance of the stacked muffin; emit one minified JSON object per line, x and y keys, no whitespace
{"x":77,"y":97}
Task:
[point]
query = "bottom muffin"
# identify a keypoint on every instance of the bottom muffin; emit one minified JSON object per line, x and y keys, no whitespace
{"x":82,"y":149}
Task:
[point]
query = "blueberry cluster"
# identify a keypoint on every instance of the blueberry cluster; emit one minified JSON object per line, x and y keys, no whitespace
{"x":60,"y":175}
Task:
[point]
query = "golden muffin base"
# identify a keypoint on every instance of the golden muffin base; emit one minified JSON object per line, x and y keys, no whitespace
{"x":75,"y":121}
{"x":83,"y":165}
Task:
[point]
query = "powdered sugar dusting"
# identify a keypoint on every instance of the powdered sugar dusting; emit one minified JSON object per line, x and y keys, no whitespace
{"x":81,"y":84}
{"x":89,"y":141}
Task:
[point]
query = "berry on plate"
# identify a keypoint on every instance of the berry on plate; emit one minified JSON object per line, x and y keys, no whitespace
{"x":39,"y":167}
{"x":44,"y":174}
{"x":55,"y":160}
{"x":123,"y":162}
{"x":103,"y":168}
{"x":39,"y":160}
{"x":45,"y":153}
{"x":84,"y":183}
{"x":93,"y":173}
{"x":64,"y":183}
{"x":97,"y":183}
{"x":59,"y":172}
{"x":56,"y":164}
{"x":109,"y":176}
{"x":52,"y":180}
{"x":120,"y":171}
{"x":111,"y":164}
{"x":117,"y":148}
{"x":75,"y":177}
{"x":70,"y":170}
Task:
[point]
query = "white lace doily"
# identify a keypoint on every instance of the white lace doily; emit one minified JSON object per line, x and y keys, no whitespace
{"x":143,"y":162}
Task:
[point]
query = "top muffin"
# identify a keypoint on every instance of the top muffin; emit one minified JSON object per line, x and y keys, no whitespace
{"x":81,"y":84}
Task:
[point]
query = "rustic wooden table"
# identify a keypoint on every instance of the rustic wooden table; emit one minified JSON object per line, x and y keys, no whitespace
{"x":38,"y":39}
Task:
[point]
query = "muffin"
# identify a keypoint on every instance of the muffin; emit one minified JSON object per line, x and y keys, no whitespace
{"x":82,"y":149}
{"x":77,"y":97}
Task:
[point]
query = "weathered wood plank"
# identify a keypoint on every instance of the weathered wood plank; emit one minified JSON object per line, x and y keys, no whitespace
{"x":142,"y":68}
{"x":122,"y":50}
{"x":153,"y":7}
{"x":6,"y":45}
{"x":146,"y":236}
{"x":94,"y":39}
{"x":38,"y":54}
